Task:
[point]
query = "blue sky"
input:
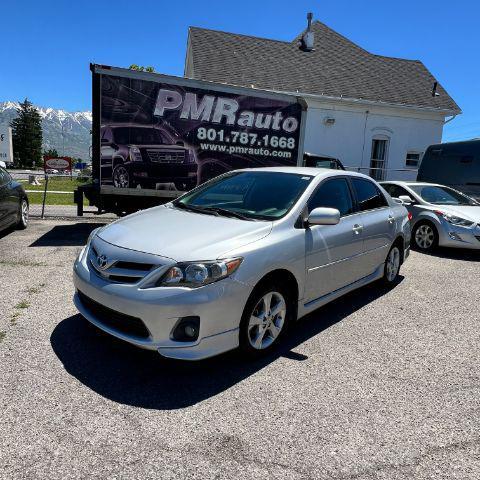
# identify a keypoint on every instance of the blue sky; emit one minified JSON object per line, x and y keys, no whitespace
{"x":47,"y":45}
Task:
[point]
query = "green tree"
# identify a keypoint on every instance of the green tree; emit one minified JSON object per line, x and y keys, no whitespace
{"x":51,"y":152}
{"x":27,"y":135}
{"x":139,"y":68}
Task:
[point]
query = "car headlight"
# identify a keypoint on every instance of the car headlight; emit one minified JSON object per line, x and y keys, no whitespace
{"x":198,"y":274}
{"x":84,"y":250}
{"x":454,"y":220}
{"x":135,"y":154}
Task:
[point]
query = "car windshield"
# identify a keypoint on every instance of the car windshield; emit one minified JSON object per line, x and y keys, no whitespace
{"x":442,"y":195}
{"x":249,"y":195}
{"x":137,"y":136}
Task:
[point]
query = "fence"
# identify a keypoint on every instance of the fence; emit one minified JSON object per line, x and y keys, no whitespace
{"x":51,"y":193}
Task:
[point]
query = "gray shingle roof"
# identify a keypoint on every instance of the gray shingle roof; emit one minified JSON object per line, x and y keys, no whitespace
{"x":337,"y":67}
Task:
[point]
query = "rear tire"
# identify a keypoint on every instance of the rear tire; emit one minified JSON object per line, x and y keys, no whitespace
{"x":265,"y":319}
{"x":392,"y":266}
{"x":425,"y":237}
{"x":23,"y":211}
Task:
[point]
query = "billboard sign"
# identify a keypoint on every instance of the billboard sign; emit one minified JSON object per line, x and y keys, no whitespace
{"x":6,"y":151}
{"x":57,"y":163}
{"x":160,"y":135}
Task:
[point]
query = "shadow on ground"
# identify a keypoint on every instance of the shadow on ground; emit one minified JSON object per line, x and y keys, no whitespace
{"x":72,"y":235}
{"x":464,"y":254}
{"x":126,"y":374}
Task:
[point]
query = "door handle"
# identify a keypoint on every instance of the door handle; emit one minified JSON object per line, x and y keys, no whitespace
{"x":391,"y":219}
{"x":357,"y":228}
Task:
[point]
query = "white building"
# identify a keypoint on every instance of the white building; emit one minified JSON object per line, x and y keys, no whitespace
{"x":376,"y":114}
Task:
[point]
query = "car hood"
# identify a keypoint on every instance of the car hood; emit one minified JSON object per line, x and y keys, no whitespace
{"x":182,"y":235}
{"x":469,"y":212}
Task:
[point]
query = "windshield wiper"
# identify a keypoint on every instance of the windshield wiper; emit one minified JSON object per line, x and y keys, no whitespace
{"x":227,"y":213}
{"x":193,"y":208}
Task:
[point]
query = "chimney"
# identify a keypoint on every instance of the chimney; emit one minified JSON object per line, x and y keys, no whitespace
{"x":308,"y":38}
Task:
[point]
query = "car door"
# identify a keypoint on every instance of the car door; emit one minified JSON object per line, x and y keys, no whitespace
{"x":4,"y":198}
{"x":378,"y":220}
{"x":333,"y":251}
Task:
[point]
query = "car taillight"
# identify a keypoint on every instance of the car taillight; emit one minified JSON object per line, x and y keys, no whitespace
{"x":410,"y":216}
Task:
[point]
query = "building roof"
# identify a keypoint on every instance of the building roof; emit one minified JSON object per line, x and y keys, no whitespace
{"x":336,"y":67}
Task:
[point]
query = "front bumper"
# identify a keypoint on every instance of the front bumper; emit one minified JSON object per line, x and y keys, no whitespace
{"x":149,"y":172}
{"x":219,"y":306}
{"x":459,"y":237}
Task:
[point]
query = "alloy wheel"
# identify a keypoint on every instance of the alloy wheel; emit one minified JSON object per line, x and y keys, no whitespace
{"x":267,"y":320}
{"x":424,"y":236}
{"x":393,"y":264}
{"x":120,"y":177}
{"x":24,"y":212}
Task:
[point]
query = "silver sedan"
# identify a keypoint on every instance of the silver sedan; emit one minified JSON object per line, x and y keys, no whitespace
{"x":441,"y":216}
{"x":233,"y":262}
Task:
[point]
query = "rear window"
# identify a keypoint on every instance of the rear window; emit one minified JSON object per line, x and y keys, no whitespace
{"x":368,"y":195}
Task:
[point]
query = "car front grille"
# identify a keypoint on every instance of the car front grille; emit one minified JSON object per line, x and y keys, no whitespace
{"x":116,"y":320}
{"x":121,"y":271}
{"x":165,"y":156}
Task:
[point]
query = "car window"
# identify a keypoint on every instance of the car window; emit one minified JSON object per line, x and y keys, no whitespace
{"x":256,"y":195}
{"x":333,"y":194}
{"x":442,"y":195}
{"x":368,"y":195}
{"x":395,"y":190}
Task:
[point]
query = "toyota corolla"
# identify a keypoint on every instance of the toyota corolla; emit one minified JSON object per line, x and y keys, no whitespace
{"x":235,"y":261}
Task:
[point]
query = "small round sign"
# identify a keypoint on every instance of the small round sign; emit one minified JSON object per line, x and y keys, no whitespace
{"x":57,"y":163}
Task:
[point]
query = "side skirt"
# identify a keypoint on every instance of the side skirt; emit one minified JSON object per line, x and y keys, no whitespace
{"x":304,"y":309}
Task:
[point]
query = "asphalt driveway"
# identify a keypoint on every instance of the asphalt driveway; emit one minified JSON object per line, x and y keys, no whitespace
{"x":377,"y":385}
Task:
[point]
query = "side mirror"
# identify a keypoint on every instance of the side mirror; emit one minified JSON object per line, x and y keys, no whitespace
{"x":406,"y":199}
{"x":323,"y":216}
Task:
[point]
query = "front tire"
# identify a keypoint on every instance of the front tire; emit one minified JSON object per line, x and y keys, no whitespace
{"x":265,"y":319}
{"x":425,"y":237}
{"x":121,"y":176}
{"x":23,"y":211}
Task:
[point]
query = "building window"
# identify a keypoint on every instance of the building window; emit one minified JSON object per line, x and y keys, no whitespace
{"x":413,"y":159}
{"x":378,"y":159}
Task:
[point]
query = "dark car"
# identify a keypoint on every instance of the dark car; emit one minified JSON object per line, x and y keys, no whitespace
{"x":322,"y":161}
{"x":13,"y":202}
{"x":455,"y":164}
{"x":135,"y":155}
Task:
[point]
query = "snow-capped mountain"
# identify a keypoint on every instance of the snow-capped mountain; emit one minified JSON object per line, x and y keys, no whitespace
{"x":62,"y":130}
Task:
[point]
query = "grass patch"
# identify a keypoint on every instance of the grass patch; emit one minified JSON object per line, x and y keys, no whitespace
{"x":33,"y":290}
{"x":22,"y":263}
{"x":63,"y":184}
{"x":59,"y":184}
{"x":52,"y":198}
{"x":13,"y":318}
{"x":2,"y":335}
{"x":22,"y":304}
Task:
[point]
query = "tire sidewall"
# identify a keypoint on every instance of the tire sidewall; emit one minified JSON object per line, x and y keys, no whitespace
{"x":253,"y":299}
{"x":435,"y":235}
{"x":119,"y":165}
{"x":21,"y":224}
{"x":385,"y":279}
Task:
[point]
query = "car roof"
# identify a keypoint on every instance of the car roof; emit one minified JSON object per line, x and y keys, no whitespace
{"x":311,"y":171}
{"x":410,"y":183}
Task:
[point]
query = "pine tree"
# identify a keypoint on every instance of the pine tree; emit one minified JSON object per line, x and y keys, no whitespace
{"x":27,"y":136}
{"x":51,"y":152}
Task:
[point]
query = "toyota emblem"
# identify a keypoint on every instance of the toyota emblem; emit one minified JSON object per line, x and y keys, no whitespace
{"x":102,"y":262}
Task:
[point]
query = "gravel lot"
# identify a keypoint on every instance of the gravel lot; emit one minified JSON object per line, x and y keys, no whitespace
{"x":377,"y":385}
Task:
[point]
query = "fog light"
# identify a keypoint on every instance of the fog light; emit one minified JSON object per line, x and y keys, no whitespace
{"x":454,"y":236}
{"x":186,"y":329}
